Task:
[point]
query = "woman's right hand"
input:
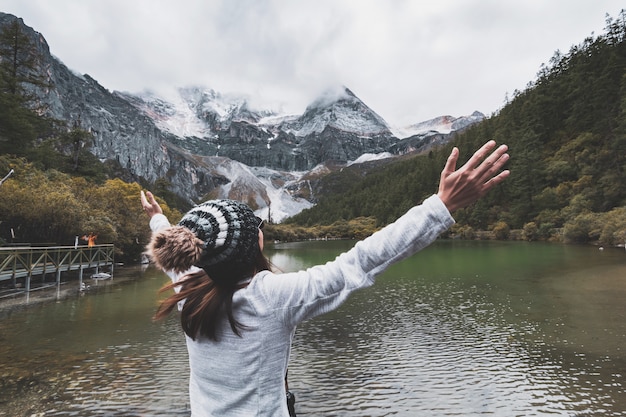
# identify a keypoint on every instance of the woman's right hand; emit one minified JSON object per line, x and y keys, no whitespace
{"x":149,"y":204}
{"x":460,"y":188}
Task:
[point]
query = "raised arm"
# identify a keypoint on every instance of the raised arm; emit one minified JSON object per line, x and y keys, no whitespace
{"x":460,"y":188}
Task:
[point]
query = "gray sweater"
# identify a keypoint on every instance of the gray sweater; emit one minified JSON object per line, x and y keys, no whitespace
{"x":244,"y":376}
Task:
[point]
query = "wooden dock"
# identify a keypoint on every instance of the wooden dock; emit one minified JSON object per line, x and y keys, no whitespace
{"x":21,"y":264}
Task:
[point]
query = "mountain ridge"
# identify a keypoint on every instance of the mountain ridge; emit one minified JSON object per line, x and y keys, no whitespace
{"x":182,"y":139}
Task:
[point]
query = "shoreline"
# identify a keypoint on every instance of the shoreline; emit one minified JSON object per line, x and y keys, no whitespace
{"x":51,"y":292}
{"x":21,"y":300}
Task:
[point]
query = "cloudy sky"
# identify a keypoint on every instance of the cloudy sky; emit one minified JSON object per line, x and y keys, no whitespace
{"x":408,"y":60}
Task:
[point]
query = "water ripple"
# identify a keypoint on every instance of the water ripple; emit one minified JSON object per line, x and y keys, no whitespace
{"x":409,"y":346}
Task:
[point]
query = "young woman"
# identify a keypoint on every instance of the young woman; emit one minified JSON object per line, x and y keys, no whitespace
{"x":239,"y":317}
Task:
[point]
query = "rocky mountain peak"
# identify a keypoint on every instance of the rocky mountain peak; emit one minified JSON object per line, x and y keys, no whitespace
{"x":341,"y":109}
{"x":185,"y":136}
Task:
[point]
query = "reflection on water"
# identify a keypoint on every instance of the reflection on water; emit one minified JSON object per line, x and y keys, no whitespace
{"x":98,"y":354}
{"x":463,"y":328}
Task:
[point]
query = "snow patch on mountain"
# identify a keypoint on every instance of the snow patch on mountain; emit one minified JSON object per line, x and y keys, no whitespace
{"x":195,"y":111}
{"x":206,"y":100}
{"x":277,"y":120}
{"x":442,"y":124}
{"x":172,"y":114}
{"x":343,"y":120}
{"x":183,"y":121}
{"x":367,"y":157}
{"x":282,"y":204}
{"x":267,"y":187}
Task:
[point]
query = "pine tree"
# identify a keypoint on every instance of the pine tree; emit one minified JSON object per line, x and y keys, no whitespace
{"x":20,"y":61}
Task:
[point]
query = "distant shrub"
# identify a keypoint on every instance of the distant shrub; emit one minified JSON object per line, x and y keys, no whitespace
{"x":613,"y":227}
{"x":530,"y":231}
{"x":501,"y":230}
{"x":547,"y":231}
{"x":580,"y":229}
{"x":465,"y":232}
{"x":357,"y":228}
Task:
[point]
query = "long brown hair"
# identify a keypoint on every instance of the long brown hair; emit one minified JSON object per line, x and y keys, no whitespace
{"x":208,"y":296}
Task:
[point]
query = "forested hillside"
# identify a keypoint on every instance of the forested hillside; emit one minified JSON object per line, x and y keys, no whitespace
{"x":567,"y":137}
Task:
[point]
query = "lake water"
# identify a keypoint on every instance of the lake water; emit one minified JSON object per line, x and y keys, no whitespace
{"x":460,"y":329}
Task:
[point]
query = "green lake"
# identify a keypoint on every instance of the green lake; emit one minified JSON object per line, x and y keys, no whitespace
{"x":460,"y":329}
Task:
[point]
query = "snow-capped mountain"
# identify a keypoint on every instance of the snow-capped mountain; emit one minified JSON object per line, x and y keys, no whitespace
{"x":336,"y":126}
{"x":202,"y":112}
{"x":207,"y":144}
{"x":340,"y":109}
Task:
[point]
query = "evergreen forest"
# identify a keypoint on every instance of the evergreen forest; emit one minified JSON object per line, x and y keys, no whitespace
{"x":566,"y":132}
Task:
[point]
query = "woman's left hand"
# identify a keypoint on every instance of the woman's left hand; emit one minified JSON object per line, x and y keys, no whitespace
{"x":461,"y":187}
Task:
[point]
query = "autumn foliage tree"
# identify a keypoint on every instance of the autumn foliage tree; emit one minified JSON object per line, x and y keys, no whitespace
{"x":51,"y":207}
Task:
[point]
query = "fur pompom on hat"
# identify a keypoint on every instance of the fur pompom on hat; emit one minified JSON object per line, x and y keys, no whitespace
{"x":213,"y":232}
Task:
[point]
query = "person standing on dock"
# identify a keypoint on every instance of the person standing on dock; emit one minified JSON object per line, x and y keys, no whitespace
{"x":90,"y":239}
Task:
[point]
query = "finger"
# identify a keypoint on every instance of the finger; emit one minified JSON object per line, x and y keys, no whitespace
{"x":496,"y":155}
{"x":496,"y":180}
{"x":480,"y":154}
{"x":494,"y":162}
{"x":450,"y":166}
{"x":490,"y":166}
{"x":152,"y":199}
{"x":144,"y":201}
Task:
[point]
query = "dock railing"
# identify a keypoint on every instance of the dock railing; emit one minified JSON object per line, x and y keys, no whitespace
{"x":29,"y":261}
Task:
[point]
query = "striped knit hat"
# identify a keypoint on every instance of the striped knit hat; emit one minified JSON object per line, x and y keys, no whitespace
{"x":213,"y":232}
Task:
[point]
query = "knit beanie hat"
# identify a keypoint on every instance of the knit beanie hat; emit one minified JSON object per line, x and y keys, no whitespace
{"x":211,"y":233}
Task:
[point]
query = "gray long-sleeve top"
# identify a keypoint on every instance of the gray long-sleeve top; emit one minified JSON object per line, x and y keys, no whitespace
{"x":244,"y":376}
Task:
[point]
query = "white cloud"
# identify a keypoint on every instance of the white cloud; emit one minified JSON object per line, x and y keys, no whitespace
{"x":408,"y":60}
